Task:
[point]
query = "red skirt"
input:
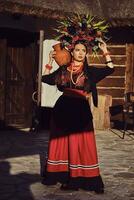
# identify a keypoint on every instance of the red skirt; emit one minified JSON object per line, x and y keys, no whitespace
{"x":75,"y":154}
{"x":72,"y":154}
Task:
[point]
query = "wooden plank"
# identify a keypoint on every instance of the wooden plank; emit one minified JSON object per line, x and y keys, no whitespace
{"x":103,"y":65}
{"x":119,"y":71}
{"x":116,"y":77}
{"x":117,"y":101}
{"x":116,"y":46}
{"x":112,"y":82}
{"x":113,"y":92}
{"x":15,"y":115}
{"x":117,"y":50}
{"x":111,"y":87}
{"x":117,"y":60}
{"x":15,"y":100}
{"x":21,"y":83}
{"x":15,"y":120}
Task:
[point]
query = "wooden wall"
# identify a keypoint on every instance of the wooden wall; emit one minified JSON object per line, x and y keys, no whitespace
{"x":122,"y":79}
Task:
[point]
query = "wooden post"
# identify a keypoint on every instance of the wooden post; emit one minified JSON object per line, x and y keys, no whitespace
{"x":101,"y":115}
{"x":133,"y":68}
{"x":129,"y":82}
{"x":40,"y":66}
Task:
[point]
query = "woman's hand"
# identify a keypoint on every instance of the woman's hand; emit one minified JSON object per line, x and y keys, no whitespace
{"x":51,"y":57}
{"x":102,"y":45}
{"x":48,"y":66}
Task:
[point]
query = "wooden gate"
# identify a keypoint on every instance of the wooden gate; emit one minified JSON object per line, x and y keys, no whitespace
{"x":19,"y":81}
{"x":3,"y":49}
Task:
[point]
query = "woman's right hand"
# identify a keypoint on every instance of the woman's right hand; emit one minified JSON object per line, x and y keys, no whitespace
{"x":51,"y":56}
{"x":48,"y":66}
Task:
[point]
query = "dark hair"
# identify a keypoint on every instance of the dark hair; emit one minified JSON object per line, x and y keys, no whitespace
{"x":83,"y":42}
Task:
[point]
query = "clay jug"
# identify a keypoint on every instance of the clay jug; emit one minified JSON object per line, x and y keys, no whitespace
{"x":62,"y":56}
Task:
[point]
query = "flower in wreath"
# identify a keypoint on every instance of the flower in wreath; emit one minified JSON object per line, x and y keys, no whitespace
{"x":81,"y":27}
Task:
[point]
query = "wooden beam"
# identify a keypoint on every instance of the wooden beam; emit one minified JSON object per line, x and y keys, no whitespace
{"x":133,"y":68}
{"x":40,"y":66}
{"x":129,"y":82}
{"x":114,"y":92}
{"x":103,"y":65}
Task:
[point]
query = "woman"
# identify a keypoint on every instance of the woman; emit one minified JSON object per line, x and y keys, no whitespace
{"x":72,"y":156}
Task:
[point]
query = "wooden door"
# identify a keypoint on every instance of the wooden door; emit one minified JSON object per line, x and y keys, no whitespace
{"x":3,"y":49}
{"x":19,"y":85}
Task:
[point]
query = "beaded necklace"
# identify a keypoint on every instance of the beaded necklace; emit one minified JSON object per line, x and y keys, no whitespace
{"x":74,"y":69}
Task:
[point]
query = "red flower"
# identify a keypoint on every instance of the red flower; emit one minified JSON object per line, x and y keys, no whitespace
{"x":65,"y":29}
{"x":75,"y":38}
{"x":89,"y":38}
{"x":71,"y":46}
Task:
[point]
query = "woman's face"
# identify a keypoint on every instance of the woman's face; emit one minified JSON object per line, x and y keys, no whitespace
{"x":79,"y":52}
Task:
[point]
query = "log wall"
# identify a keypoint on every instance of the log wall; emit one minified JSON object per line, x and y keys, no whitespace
{"x":122,"y":80}
{"x":114,"y":84}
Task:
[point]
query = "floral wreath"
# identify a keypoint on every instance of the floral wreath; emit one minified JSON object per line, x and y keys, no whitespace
{"x":81,"y":27}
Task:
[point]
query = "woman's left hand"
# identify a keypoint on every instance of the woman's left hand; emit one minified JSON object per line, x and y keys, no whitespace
{"x":102,"y":45}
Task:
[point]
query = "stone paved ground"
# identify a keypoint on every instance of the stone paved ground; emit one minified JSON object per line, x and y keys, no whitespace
{"x":21,"y":154}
